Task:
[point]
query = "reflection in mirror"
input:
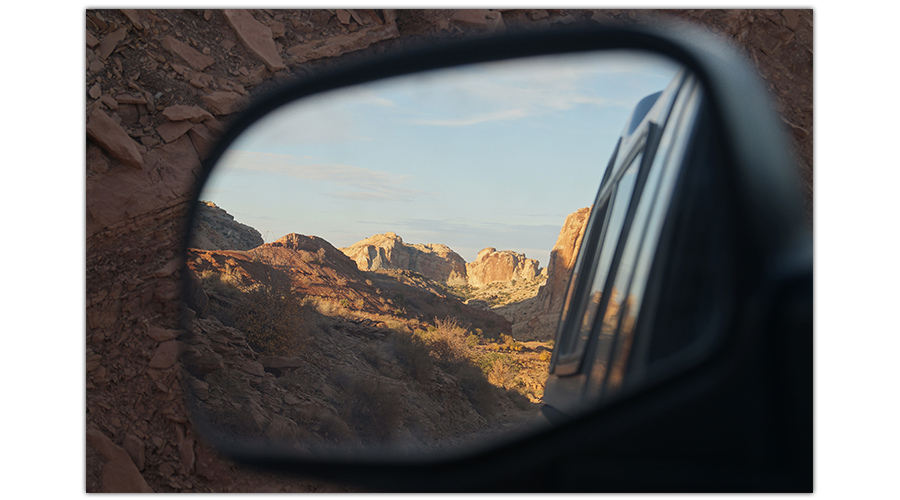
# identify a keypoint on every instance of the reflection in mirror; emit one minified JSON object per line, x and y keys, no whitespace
{"x":348,"y":287}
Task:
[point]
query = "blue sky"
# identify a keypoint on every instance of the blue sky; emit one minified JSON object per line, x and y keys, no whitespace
{"x":489,"y":155}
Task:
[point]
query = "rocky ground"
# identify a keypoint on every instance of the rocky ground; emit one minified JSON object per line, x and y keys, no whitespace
{"x":160,"y":85}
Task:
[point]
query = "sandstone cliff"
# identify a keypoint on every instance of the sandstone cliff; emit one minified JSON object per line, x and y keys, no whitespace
{"x":562,"y":259}
{"x":216,"y":229}
{"x":536,"y":318}
{"x":505,"y":265}
{"x":388,"y":251}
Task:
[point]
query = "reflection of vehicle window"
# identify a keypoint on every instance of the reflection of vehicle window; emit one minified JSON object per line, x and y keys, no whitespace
{"x":609,"y":237}
{"x":626,"y":298}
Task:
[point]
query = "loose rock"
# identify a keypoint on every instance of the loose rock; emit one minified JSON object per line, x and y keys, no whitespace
{"x":179,"y":112}
{"x":342,"y":44}
{"x":256,"y":37}
{"x":165,"y":356}
{"x":113,"y":139}
{"x":470,"y":17}
{"x":190,"y":55}
{"x":110,"y":42}
{"x":224,"y":103}
{"x":170,"y":131}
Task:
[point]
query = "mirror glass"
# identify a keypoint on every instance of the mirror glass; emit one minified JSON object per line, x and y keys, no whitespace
{"x":384,"y":265}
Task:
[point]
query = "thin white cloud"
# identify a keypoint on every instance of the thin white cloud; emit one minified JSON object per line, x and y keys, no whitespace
{"x":520,"y":89}
{"x":355,"y":182}
{"x":330,"y":118}
{"x":510,"y":114}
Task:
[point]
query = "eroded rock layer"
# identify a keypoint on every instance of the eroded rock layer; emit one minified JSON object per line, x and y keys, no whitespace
{"x":388,"y":251}
{"x":505,"y":265}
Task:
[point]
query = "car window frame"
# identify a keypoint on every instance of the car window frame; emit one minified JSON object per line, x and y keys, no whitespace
{"x":644,"y":140}
{"x":680,"y":120}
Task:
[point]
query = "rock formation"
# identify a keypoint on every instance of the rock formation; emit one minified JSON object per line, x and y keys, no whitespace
{"x":505,"y":265}
{"x":216,"y":229}
{"x":388,"y":251}
{"x":536,"y":318}
{"x":562,"y":259}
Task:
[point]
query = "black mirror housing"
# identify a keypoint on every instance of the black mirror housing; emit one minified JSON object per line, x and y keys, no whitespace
{"x":737,"y":416}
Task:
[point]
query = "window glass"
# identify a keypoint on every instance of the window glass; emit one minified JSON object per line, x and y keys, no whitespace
{"x":620,"y":202}
{"x":611,"y":356}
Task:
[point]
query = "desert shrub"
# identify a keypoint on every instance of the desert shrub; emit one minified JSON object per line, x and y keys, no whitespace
{"x":369,"y":407}
{"x":510,"y":344}
{"x":472,"y":340}
{"x":273,"y":318}
{"x":413,"y":355}
{"x":448,"y":342}
{"x":221,"y":284}
{"x":397,"y":325}
{"x":545,"y":356}
{"x":499,"y":368}
{"x":502,"y":375}
{"x":326,"y":307}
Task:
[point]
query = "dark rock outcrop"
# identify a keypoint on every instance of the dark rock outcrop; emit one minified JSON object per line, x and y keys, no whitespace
{"x":216,"y":229}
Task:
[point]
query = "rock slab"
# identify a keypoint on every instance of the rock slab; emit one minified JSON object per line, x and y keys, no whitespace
{"x":190,"y":55}
{"x":342,"y":44}
{"x":113,"y":139}
{"x":256,"y":37}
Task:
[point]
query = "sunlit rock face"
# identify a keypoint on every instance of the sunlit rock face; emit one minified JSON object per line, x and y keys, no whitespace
{"x":217,"y":230}
{"x":388,"y":251}
{"x":537,"y":318}
{"x":562,"y":259}
{"x":491,"y":266}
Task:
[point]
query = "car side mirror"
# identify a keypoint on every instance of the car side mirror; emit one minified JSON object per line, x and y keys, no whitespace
{"x":678,"y":312}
